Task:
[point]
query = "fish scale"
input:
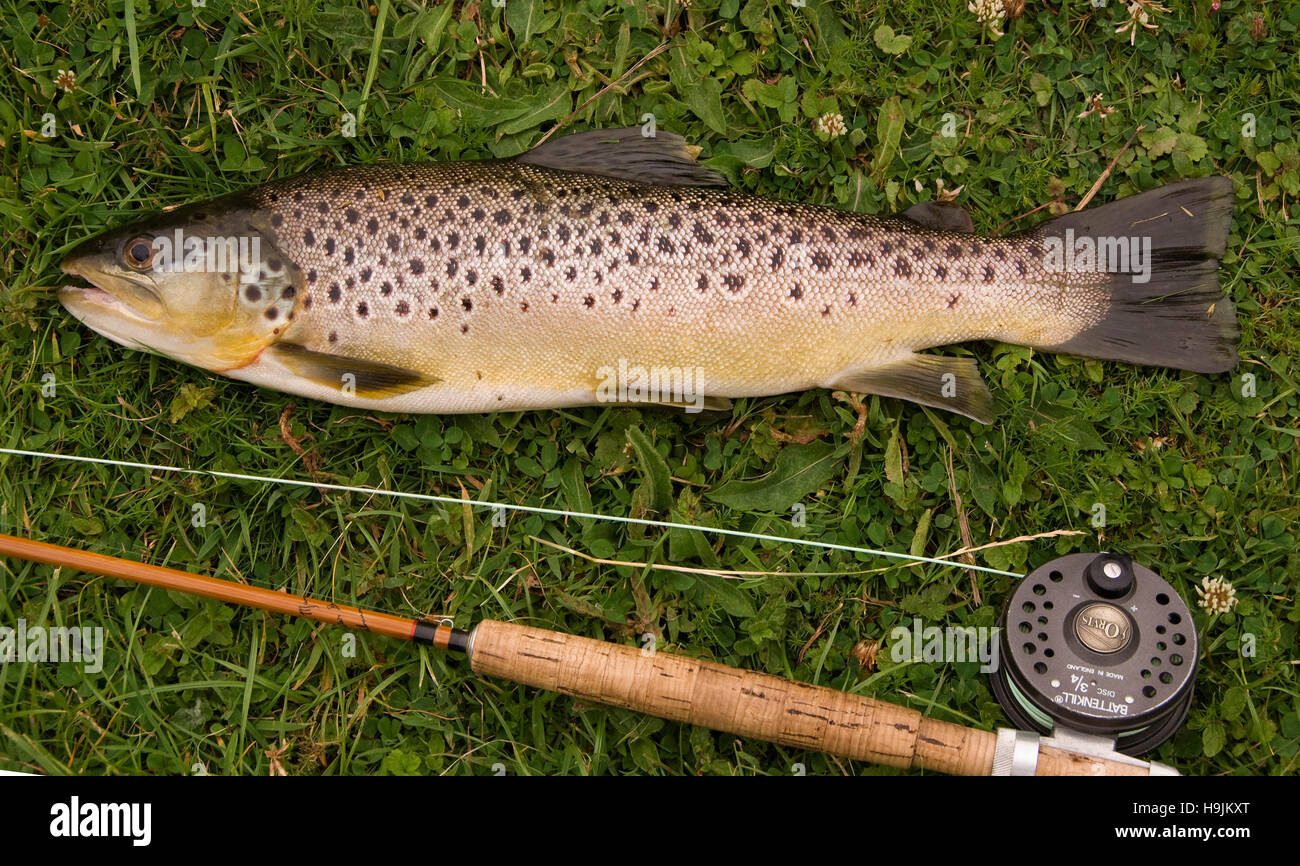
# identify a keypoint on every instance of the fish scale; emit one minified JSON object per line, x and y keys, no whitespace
{"x":514,"y":284}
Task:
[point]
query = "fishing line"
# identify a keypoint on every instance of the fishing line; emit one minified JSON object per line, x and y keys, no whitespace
{"x":508,"y":506}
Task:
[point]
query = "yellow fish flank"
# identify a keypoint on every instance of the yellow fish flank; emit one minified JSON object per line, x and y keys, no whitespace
{"x":550,"y":279}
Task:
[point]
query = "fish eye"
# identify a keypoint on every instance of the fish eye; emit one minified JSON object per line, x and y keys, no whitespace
{"x":138,"y":253}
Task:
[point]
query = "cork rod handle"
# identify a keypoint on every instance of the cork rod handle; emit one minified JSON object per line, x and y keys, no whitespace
{"x":747,"y":703}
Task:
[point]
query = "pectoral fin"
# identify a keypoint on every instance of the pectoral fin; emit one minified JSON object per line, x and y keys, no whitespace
{"x":941,"y":381}
{"x":369,"y":379}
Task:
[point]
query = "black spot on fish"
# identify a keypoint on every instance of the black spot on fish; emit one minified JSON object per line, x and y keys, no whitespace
{"x":498,"y":285}
{"x":633,"y":257}
{"x":272,"y":314}
{"x":952,"y":251}
{"x":505,"y":248}
{"x":859,"y":258}
{"x":617,"y":295}
{"x":743,"y":247}
{"x":1000,"y":254}
{"x":918,"y":253}
{"x":826,"y":310}
{"x":733,"y":282}
{"x":853,"y":299}
{"x":562,"y":232}
{"x":402,"y":308}
{"x":603,"y":218}
{"x":555,"y":298}
{"x":975,"y":248}
{"x":433,"y":312}
{"x":589,"y":301}
{"x":417,"y":267}
{"x":857,"y":233}
{"x":453,"y":241}
{"x":335,"y":293}
{"x":467,"y":304}
{"x":420,"y":233}
{"x":702,"y":234}
{"x":372,"y":226}
{"x":277,"y":220}
{"x":666,"y":245}
{"x":755,"y":217}
{"x":471,"y":277}
{"x":253,"y":293}
{"x":650,"y":207}
{"x":297,"y":196}
{"x":306,"y":302}
{"x":1020,"y":268}
{"x":480,"y":244}
{"x":516,"y":194}
{"x":595,"y":246}
{"x":797,"y":292}
{"x":778,"y":256}
{"x":478,"y":214}
{"x":988,"y":273}
{"x":334,"y":336}
{"x":821,"y":261}
{"x":309,"y":238}
{"x":524,"y":243}
{"x":902,"y":268}
{"x":464,"y":329}
{"x":407,"y":198}
{"x":886,"y":248}
{"x":675,"y":221}
{"x":702,"y":283}
{"x":351,"y":216}
{"x":722,"y":219}
{"x":654,"y":284}
{"x":571,"y":273}
{"x":941,"y":272}
{"x":526,"y":273}
{"x":363,"y":309}
{"x":462,"y":201}
{"x":953,"y":299}
{"x":548,"y":256}
{"x":452,"y":265}
{"x":796,"y":236}
{"x":323,"y":207}
{"x":636,"y":303}
{"x":393,"y":242}
{"x":827,"y":234}
{"x":584,"y":209}
{"x":386,"y":289}
{"x":431,"y":201}
{"x":523,"y":306}
{"x":288,"y":293}
{"x":501,"y":217}
{"x":329,"y":246}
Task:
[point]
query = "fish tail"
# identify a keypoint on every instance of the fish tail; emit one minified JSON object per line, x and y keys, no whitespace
{"x":1169,"y":312}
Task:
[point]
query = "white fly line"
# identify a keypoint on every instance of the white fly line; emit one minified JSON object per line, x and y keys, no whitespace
{"x":509,"y":506}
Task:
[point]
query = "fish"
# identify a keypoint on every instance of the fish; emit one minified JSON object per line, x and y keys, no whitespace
{"x":611,"y":267}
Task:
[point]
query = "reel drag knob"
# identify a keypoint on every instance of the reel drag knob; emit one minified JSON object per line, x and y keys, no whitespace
{"x":1098,"y":645}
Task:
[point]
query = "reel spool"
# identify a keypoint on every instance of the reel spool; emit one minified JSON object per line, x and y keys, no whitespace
{"x":1099,"y":645}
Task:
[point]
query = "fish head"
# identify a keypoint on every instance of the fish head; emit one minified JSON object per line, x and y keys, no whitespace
{"x":203,"y":284}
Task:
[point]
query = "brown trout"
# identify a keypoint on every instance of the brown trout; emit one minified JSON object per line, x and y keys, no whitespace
{"x":610,"y":267}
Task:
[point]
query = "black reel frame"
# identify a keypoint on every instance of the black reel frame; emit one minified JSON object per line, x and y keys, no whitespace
{"x":1099,"y":645}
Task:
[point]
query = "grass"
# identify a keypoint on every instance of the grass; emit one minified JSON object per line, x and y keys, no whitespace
{"x":173,"y":103}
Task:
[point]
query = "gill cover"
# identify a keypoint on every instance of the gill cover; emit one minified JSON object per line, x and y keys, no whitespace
{"x":203,"y":284}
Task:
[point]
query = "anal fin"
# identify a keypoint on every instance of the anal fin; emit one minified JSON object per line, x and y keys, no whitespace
{"x":941,"y":381}
{"x":369,"y":379}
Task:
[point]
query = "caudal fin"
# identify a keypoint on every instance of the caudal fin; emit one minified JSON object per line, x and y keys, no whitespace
{"x":1173,"y":314}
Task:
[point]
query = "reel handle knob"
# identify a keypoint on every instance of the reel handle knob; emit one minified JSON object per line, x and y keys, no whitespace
{"x":1110,"y":575}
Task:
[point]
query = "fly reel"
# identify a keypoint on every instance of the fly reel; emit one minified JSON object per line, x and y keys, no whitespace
{"x":1098,"y":645}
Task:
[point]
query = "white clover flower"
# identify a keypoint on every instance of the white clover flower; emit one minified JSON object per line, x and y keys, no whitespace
{"x":990,"y":13}
{"x":832,"y":125}
{"x":1217,"y":595}
{"x":66,"y":80}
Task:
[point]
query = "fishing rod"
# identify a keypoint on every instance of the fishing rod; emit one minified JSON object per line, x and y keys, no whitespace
{"x":1084,"y":607}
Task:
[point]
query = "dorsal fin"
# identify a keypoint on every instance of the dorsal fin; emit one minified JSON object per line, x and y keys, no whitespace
{"x":626,"y":154}
{"x":942,"y":215}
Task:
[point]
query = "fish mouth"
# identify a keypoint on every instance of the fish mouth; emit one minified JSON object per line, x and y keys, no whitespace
{"x":114,"y":305}
{"x":109,"y":293}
